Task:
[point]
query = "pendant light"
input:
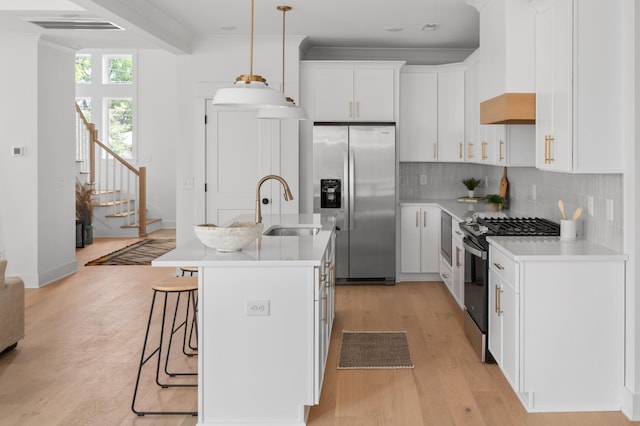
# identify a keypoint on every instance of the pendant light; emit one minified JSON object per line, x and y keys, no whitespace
{"x":292,"y":111}
{"x":250,"y":90}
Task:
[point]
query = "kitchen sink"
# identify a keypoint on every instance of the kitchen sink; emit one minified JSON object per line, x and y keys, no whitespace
{"x":292,"y":231}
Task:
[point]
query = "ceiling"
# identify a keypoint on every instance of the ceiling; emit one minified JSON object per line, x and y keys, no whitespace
{"x":173,"y":24}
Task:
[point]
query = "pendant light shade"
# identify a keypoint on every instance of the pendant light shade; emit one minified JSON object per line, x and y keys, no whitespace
{"x":250,"y":90}
{"x":292,"y":111}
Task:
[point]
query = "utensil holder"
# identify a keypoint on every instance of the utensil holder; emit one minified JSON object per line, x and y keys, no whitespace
{"x":568,"y":230}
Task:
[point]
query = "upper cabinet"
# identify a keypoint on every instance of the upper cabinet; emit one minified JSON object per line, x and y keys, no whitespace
{"x":432,"y":123}
{"x":418,"y":114}
{"x":352,"y":91}
{"x":578,"y":74}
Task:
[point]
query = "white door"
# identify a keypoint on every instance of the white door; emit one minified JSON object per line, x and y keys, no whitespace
{"x":240,"y":150}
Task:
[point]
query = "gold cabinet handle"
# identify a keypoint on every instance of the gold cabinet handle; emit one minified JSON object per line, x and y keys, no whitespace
{"x":500,"y":156}
{"x":460,"y":151}
{"x":469,"y":150}
{"x":499,"y":266}
{"x":350,"y":109}
{"x":417,"y":218}
{"x":495,"y":293}
{"x":548,"y":140}
{"x":357,"y":109}
{"x":424,"y":219}
{"x":498,"y":307}
{"x":484,"y":150}
{"x":435,"y":151}
{"x":458,"y":257}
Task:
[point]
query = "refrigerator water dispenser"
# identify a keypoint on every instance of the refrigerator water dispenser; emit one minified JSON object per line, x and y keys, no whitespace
{"x":330,"y":193}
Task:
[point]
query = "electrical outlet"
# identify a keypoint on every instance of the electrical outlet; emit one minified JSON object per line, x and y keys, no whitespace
{"x":590,"y":205}
{"x":609,"y":209}
{"x":258,"y":308}
{"x":187,"y":183}
{"x":423,"y":179}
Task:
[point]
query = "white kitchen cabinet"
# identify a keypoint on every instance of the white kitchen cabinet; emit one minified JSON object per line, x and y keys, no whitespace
{"x":419,"y":238}
{"x":457,"y":285}
{"x":466,"y":152}
{"x":504,"y":310}
{"x":446,"y":273}
{"x":349,"y":91}
{"x":418,"y":136}
{"x":578,"y":91}
{"x":451,"y":123}
{"x":432,"y":113}
{"x":325,"y":280}
{"x":556,"y":322}
{"x":506,"y":145}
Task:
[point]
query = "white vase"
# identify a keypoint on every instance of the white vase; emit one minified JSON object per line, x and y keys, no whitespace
{"x":471,"y":193}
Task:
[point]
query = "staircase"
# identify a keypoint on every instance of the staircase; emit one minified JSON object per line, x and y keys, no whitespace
{"x":119,"y":188}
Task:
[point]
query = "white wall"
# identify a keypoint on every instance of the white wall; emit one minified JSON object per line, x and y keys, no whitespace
{"x":37,"y":227}
{"x":159,"y":133}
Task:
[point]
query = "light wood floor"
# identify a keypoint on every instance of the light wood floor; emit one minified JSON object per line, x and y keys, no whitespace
{"x":78,"y":363}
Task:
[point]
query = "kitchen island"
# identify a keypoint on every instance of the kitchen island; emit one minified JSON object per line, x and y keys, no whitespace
{"x":264,"y":315}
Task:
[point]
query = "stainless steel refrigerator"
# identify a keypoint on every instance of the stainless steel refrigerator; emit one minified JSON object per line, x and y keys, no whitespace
{"x":354,"y":170}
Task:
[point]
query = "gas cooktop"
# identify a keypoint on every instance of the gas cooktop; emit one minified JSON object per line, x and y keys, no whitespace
{"x":510,"y":226}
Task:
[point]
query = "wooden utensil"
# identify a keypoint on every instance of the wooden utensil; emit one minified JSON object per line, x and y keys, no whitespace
{"x":577,"y":213}
{"x":504,"y":183}
{"x":561,"y":207}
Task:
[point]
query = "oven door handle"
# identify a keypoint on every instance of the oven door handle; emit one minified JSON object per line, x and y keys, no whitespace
{"x":475,"y":251}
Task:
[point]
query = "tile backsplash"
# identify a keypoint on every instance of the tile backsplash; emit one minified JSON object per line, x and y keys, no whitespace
{"x":532,"y":192}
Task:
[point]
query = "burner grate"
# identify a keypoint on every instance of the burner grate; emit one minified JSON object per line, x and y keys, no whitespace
{"x":520,"y":226}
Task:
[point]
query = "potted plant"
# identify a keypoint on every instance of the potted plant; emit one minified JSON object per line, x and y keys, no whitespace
{"x":495,"y":201}
{"x":84,"y":209}
{"x":471,"y":184}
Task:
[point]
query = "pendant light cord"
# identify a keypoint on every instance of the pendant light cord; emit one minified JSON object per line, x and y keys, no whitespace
{"x":251,"y":45}
{"x":284,"y":12}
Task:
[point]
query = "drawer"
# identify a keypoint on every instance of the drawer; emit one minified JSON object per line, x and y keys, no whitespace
{"x":503,"y":266}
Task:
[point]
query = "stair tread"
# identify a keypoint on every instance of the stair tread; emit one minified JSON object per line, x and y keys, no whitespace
{"x":137,"y":225}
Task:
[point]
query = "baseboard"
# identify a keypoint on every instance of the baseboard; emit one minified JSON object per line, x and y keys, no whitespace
{"x":631,"y":405}
{"x":57,"y":273}
{"x":418,"y":277}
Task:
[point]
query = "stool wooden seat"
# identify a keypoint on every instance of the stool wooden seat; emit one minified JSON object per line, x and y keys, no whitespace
{"x":189,"y":269}
{"x":179,"y":286}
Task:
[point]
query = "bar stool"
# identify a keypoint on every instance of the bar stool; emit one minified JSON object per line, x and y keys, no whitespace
{"x":181,"y":286}
{"x":189,"y":269}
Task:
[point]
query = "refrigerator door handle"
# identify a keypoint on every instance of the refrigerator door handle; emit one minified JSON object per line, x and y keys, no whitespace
{"x":352,"y":190}
{"x":347,"y":189}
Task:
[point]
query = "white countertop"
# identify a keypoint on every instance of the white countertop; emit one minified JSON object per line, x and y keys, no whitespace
{"x":553,"y":249}
{"x":458,"y":210}
{"x":266,"y":251}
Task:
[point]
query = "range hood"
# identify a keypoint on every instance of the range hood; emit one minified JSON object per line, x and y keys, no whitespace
{"x":509,"y":108}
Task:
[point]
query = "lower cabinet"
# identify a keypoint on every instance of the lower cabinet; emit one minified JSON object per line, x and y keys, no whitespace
{"x":419,"y":238}
{"x":325,"y":282}
{"x":556,"y":329}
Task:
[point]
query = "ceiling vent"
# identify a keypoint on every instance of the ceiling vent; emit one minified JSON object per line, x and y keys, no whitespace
{"x":76,"y":24}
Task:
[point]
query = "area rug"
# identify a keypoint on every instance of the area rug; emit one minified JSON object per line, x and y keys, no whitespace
{"x":139,"y":253}
{"x":374,"y":349}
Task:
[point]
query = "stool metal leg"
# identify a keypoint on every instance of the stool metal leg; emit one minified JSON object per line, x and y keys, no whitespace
{"x":144,"y":360}
{"x":174,"y":329}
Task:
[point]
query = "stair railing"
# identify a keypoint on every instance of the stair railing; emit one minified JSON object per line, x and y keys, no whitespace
{"x":117,"y":184}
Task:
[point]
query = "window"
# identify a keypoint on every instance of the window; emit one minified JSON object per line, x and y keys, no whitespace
{"x":106,"y":95}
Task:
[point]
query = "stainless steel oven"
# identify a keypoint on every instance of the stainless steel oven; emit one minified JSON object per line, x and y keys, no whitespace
{"x":476,"y":297}
{"x":476,"y":269}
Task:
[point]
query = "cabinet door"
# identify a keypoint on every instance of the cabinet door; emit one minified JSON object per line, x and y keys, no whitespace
{"x":333,"y":97}
{"x":504,"y":317}
{"x":429,"y":239}
{"x":373,"y":95}
{"x":495,"y":320}
{"x":450,"y":114}
{"x":410,"y":238}
{"x":554,"y":69}
{"x":472,"y":110}
{"x":418,"y":116}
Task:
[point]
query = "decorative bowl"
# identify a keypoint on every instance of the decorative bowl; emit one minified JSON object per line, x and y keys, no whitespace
{"x":234,"y":237}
